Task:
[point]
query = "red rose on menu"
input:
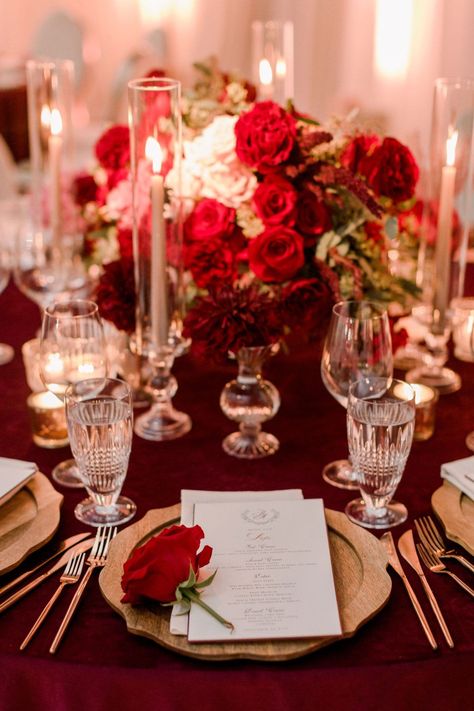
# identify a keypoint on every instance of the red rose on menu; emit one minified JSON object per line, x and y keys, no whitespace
{"x":265,"y":136}
{"x":157,"y":568}
{"x":277,"y":254}
{"x":391,"y":171}
{"x":210,"y":219}
{"x":113,"y":148}
{"x":275,"y":201}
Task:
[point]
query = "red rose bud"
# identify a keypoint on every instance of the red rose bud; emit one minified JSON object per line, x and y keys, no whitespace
{"x":277,"y":254}
{"x":265,"y":136}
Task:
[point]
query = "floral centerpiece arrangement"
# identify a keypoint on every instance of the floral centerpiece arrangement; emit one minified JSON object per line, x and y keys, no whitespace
{"x":283,"y":217}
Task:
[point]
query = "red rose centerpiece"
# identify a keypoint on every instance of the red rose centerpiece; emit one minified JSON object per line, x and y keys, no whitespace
{"x":166,"y":570}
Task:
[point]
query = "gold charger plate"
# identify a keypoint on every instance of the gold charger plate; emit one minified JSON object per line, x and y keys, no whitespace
{"x":28,"y":521}
{"x":362,"y":586}
{"x":455,"y":510}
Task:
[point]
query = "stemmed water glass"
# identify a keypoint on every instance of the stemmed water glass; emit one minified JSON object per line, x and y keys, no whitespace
{"x":6,"y":351}
{"x":99,"y":415}
{"x":358,"y":344}
{"x":72,"y":348}
{"x":380,"y":426}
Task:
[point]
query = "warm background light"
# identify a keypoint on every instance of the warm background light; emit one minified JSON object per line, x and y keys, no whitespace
{"x":393,"y":37}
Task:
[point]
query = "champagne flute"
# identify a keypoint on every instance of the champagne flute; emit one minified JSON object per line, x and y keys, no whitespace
{"x":358,"y":344}
{"x":72,"y":348}
{"x":380,"y":427}
{"x":6,"y":351}
{"x":99,"y":415}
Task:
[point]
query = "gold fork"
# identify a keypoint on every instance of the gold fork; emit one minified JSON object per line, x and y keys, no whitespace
{"x":97,"y":559}
{"x":72,"y":573}
{"x":437,"y":566}
{"x":433,"y":540}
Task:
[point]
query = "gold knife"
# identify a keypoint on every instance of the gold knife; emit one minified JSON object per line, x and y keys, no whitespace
{"x":406,"y":546}
{"x":63,"y":546}
{"x":387,"y":540}
{"x":78,"y":548}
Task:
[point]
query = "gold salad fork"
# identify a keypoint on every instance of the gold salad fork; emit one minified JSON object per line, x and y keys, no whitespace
{"x":436,"y":565}
{"x":97,"y":559}
{"x":432,"y":540}
{"x":72,"y":573}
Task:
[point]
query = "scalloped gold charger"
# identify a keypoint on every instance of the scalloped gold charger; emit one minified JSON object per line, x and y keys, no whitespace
{"x":455,"y":510}
{"x":28,"y":521}
{"x":362,"y":586}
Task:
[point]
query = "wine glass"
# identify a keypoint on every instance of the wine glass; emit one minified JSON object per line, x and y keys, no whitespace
{"x":380,"y":427}
{"x":99,"y":415}
{"x":6,"y":351}
{"x":358,"y":344}
{"x":46,"y":273}
{"x":72,"y":348}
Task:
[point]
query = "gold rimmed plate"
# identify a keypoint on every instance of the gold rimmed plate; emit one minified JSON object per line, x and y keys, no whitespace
{"x":362,"y":586}
{"x":455,"y":510}
{"x":28,"y":521}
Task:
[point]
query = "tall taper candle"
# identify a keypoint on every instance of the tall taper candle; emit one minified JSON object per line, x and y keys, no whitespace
{"x":55,"y":143}
{"x":444,"y":234}
{"x":159,"y":301}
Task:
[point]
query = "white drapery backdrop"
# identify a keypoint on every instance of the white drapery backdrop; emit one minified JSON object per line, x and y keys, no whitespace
{"x":334,"y":48}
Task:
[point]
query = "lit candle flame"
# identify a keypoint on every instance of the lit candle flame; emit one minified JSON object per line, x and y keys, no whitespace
{"x":56,"y":122}
{"x":280,"y":69}
{"x":265,"y":72}
{"x":451,"y":148}
{"x":154,"y":153}
{"x":45,"y":116}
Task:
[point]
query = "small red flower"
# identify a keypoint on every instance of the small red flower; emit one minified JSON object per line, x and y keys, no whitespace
{"x":210,"y":219}
{"x":115,"y":294}
{"x":357,"y":150}
{"x":391,"y":170}
{"x":274,"y":201}
{"x":113,"y":148}
{"x":210,"y":263}
{"x":84,"y":189}
{"x":265,"y":136}
{"x":313,"y":216}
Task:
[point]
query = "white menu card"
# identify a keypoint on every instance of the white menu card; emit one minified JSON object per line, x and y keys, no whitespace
{"x":274,"y":577}
{"x":14,"y":474}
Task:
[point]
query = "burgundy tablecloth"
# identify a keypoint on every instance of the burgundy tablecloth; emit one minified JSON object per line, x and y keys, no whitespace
{"x":387,"y":665}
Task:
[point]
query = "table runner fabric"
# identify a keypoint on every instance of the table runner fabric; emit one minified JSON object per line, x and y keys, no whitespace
{"x":386,"y":665}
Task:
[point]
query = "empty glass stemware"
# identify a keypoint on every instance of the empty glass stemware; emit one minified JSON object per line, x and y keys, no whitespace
{"x":380,"y":426}
{"x":358,"y":344}
{"x":72,"y":348}
{"x":99,"y":416}
{"x":6,"y":351}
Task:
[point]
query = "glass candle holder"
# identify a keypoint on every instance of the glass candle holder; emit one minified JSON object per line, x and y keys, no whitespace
{"x":425,"y":411}
{"x":48,"y":420}
{"x":446,"y":222}
{"x":463,"y":328}
{"x":155,"y":152}
{"x":31,"y":360}
{"x":272,"y":60}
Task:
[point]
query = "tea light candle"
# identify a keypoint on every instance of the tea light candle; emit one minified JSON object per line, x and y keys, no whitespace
{"x":425,"y":404}
{"x":463,"y":328}
{"x":48,"y":420}
{"x":159,"y":307}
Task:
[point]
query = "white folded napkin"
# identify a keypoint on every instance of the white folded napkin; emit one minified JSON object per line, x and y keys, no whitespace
{"x":461,"y":474}
{"x":14,"y":474}
{"x":189,"y":497}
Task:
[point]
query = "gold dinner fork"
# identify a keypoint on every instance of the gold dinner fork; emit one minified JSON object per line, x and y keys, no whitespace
{"x":72,"y":573}
{"x":432,"y":540}
{"x":97,"y":559}
{"x":437,"y":566}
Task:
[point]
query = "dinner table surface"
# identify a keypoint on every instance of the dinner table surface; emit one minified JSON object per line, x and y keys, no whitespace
{"x":387,"y":664}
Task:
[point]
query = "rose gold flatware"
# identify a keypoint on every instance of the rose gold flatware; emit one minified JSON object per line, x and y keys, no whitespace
{"x":433,"y":541}
{"x":436,"y":565}
{"x":96,"y":559}
{"x":71,"y":575}
{"x":406,"y":546}
{"x":62,"y":548}
{"x":387,"y":540}
{"x":78,"y":548}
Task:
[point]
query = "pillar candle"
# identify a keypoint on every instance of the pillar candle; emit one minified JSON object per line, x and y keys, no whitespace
{"x":55,"y":143}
